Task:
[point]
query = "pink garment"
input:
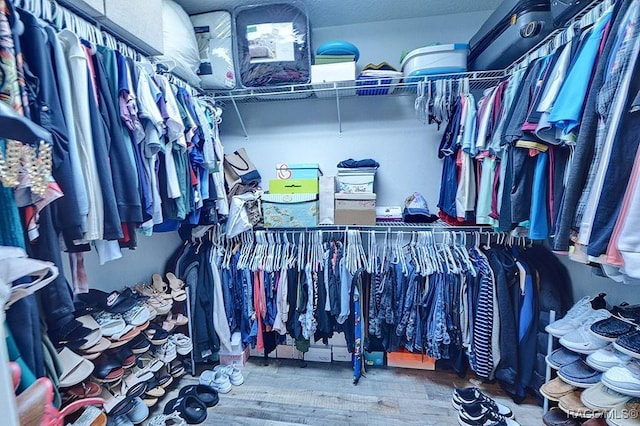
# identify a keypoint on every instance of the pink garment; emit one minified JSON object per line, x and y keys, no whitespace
{"x":78,"y":273}
{"x":614,"y":257}
{"x":260,"y":305}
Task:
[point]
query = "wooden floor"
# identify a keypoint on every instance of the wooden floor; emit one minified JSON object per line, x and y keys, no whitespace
{"x":283,"y":393}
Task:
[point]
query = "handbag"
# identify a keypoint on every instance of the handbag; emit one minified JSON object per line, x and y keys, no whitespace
{"x":239,"y":169}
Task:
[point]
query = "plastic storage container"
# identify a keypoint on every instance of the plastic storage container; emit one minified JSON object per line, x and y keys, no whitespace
{"x":272,"y":45}
{"x":439,"y":59}
{"x":213,"y":33}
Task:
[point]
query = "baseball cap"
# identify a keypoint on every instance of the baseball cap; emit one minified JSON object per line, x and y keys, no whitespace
{"x":416,"y":210}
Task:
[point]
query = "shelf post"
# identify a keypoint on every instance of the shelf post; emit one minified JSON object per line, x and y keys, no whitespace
{"x":338,"y":108}
{"x":235,"y":106}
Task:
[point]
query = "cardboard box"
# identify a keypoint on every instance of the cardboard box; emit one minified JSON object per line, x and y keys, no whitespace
{"x":318,"y":353}
{"x":374,"y":359}
{"x":410,"y":360}
{"x":238,"y":358}
{"x":288,"y":352}
{"x":298,"y":171}
{"x":355,"y":209}
{"x":293,"y":186}
{"x":290,"y":210}
{"x":340,"y":354}
{"x":260,"y":354}
{"x":337,"y":340}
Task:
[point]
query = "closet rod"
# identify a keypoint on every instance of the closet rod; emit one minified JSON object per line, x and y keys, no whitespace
{"x":561,"y":36}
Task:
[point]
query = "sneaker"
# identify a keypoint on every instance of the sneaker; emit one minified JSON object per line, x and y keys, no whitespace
{"x":183,"y":343}
{"x":629,"y":344}
{"x":579,"y":374}
{"x":473,"y":395}
{"x":489,"y":418}
{"x":601,"y":398}
{"x":561,"y":357}
{"x":624,"y":380}
{"x":574,"y":317}
{"x":607,"y":357}
{"x":235,"y":375}
{"x":216,"y":379}
{"x":581,"y":340}
{"x":613,"y":327}
{"x":167,"y":352}
{"x":555,"y":389}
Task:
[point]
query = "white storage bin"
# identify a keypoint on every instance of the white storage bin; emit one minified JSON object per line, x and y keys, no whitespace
{"x":361,"y":182}
{"x":326,"y":77}
{"x":439,"y":59}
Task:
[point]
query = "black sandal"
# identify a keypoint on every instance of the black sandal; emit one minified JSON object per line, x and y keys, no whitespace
{"x":189,"y":407}
{"x":204,"y":393}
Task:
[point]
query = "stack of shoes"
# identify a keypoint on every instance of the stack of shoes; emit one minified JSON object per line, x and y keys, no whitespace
{"x":222,"y":378}
{"x":129,"y":347}
{"x":476,"y":408}
{"x":598,"y":366}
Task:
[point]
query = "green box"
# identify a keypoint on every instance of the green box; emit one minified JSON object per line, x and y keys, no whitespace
{"x":374,"y":359}
{"x":293,"y":186}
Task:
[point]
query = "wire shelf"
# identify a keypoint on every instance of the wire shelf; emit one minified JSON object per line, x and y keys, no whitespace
{"x":370,"y":88}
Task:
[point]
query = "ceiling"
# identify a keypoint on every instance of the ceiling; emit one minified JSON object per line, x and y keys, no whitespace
{"x":326,"y":13}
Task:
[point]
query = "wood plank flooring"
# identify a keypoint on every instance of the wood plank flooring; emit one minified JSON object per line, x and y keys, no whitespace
{"x":283,"y":393}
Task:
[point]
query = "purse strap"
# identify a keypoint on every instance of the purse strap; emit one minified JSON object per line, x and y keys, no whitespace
{"x":246,"y":163}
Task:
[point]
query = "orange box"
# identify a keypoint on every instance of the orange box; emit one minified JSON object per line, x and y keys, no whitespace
{"x":410,"y":360}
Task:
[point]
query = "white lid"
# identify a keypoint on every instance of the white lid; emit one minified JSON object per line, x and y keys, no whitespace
{"x":355,"y":196}
{"x":433,"y":49}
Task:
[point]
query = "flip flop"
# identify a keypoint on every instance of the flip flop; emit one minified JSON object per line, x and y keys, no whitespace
{"x":189,"y":407}
{"x":204,"y":393}
{"x":158,"y":284}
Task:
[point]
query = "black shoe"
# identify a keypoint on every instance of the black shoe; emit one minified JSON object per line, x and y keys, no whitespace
{"x":469,"y":398}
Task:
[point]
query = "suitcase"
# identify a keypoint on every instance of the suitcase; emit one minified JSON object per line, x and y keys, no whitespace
{"x":513,"y":28}
{"x":563,"y":10}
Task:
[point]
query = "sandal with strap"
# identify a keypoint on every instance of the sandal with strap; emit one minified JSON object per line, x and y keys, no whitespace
{"x":177,"y":287}
{"x":160,"y":286}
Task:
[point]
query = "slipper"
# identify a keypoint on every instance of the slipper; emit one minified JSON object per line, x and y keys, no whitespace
{"x":91,"y":357}
{"x":139,"y":412}
{"x":113,"y":302}
{"x":139,"y":344}
{"x":150,"y":401}
{"x":160,"y":286}
{"x":189,"y":407}
{"x":123,"y":356}
{"x":75,"y":369}
{"x":115,"y":405}
{"x":154,"y":389}
{"x":172,"y":419}
{"x":110,"y":324}
{"x":177,"y":287}
{"x":204,"y":393}
{"x":165,"y":380}
{"x":156,"y":335}
{"x":84,"y":390}
{"x":107,"y":370}
{"x":101,"y":346}
{"x":137,"y":315}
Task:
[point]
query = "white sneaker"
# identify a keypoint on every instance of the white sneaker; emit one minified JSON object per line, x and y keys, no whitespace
{"x":182,"y":343}
{"x":216,"y":379}
{"x":573,"y":319}
{"x":168,"y":352}
{"x":581,"y":340}
{"x":235,"y":375}
{"x":606,"y":358}
{"x":624,"y":380}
